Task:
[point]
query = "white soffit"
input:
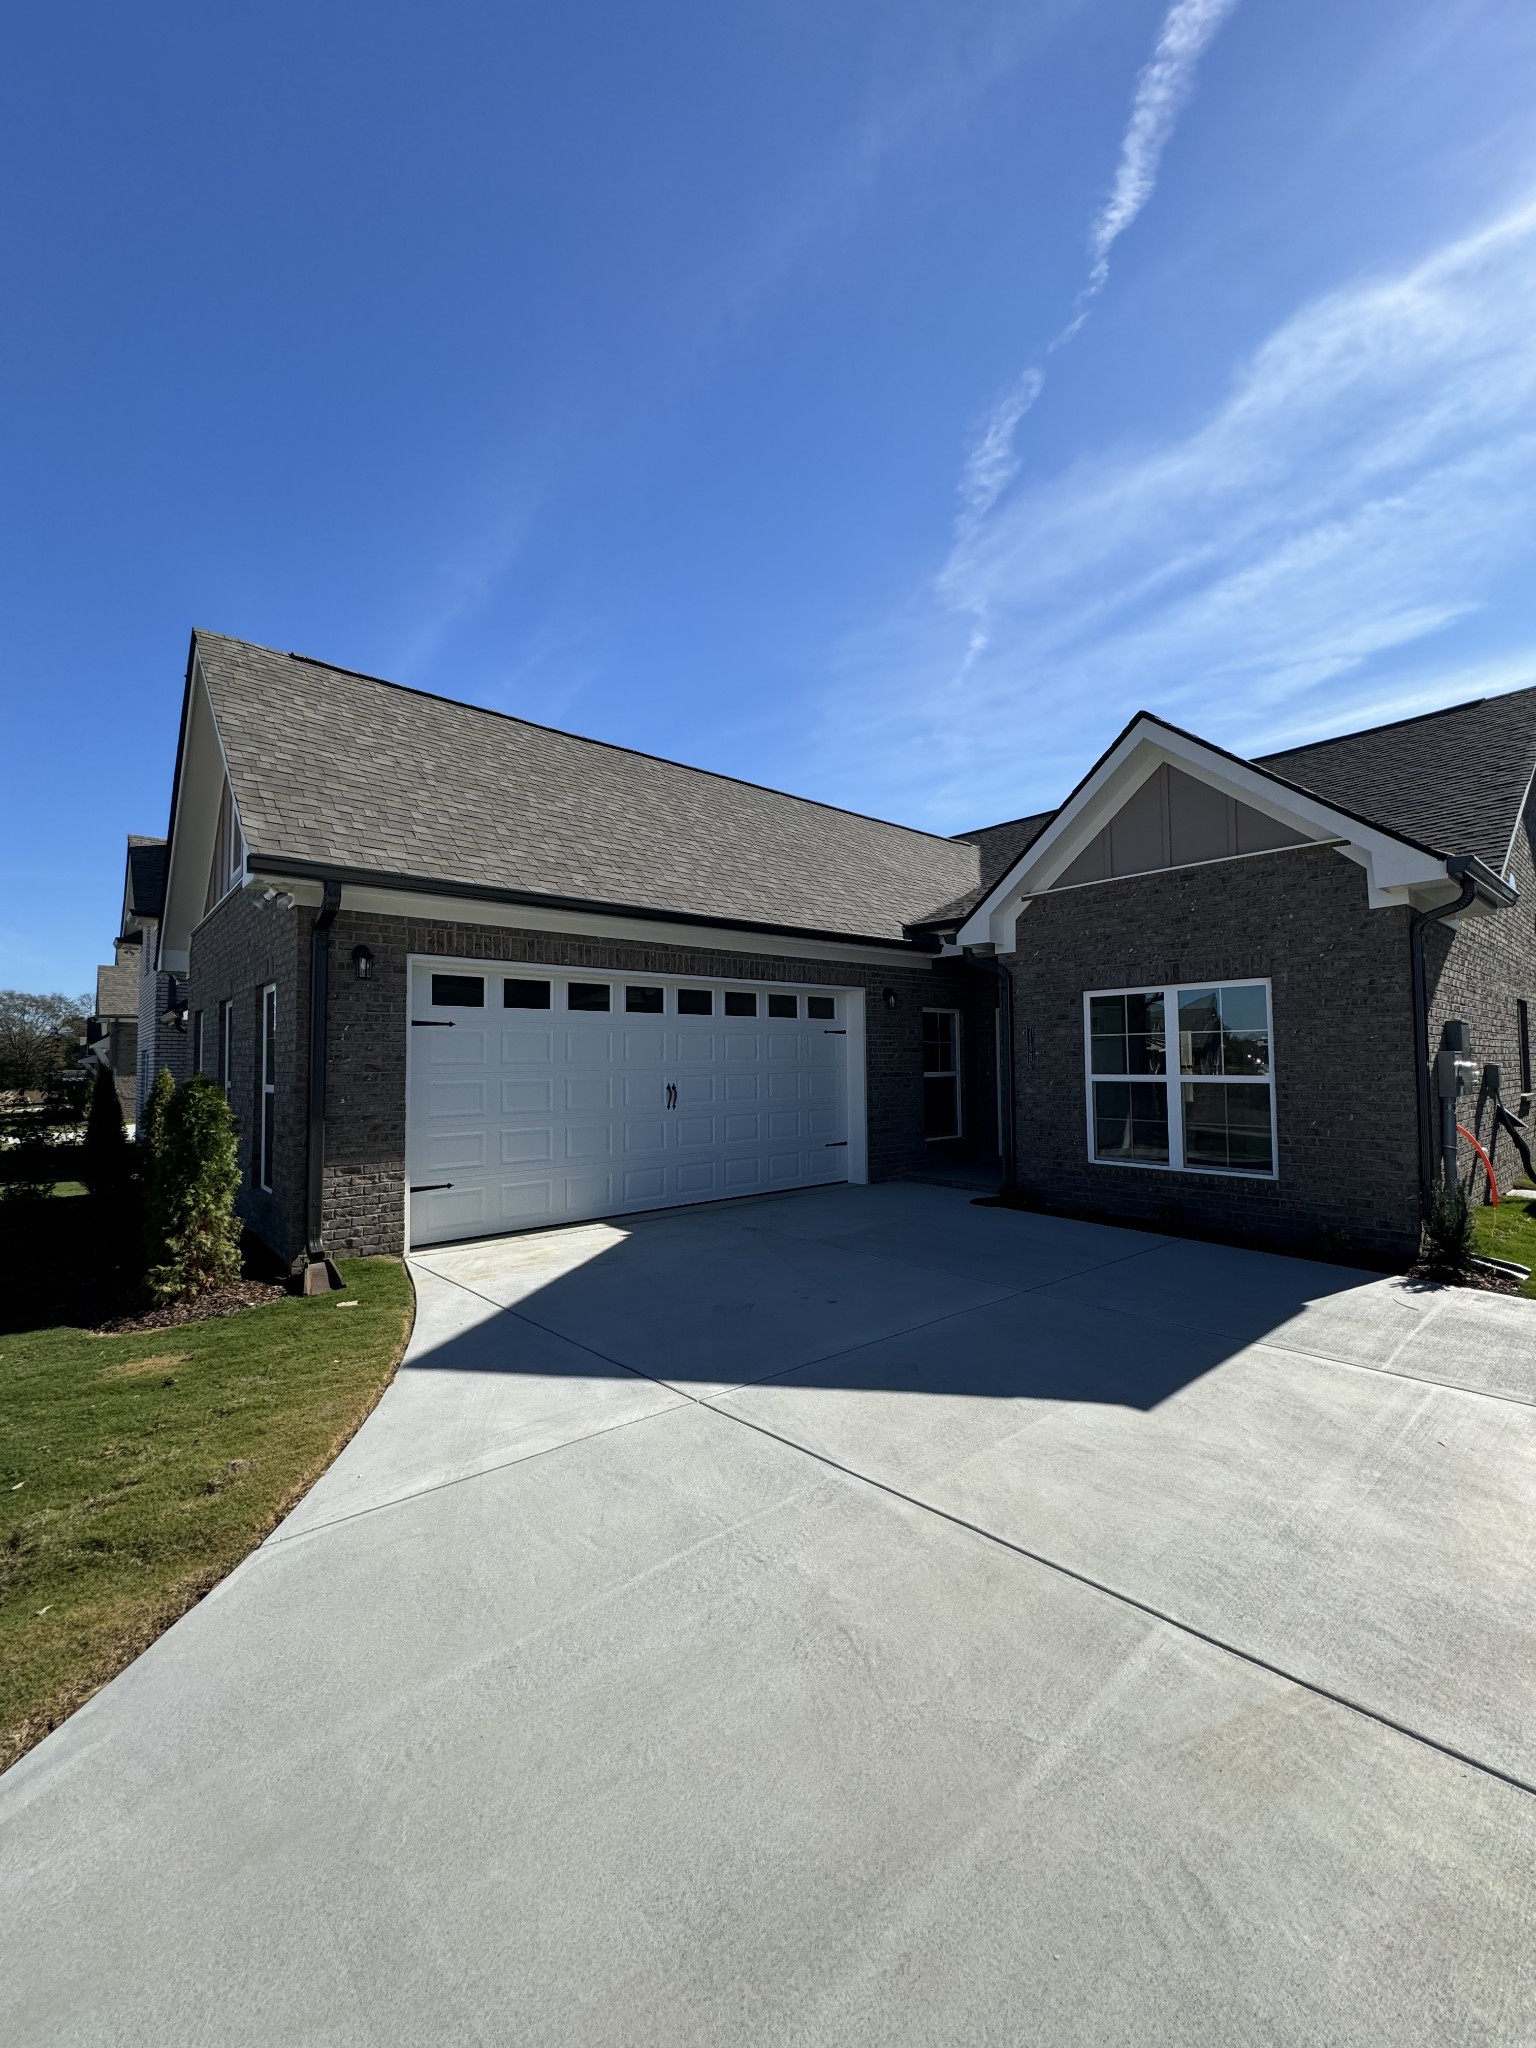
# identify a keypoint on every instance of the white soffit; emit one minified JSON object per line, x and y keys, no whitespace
{"x":1392,"y":867}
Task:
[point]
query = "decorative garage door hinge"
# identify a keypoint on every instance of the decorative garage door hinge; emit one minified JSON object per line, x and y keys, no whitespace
{"x":432,"y":1187}
{"x":831,"y":1033}
{"x":432,"y":1023}
{"x":833,"y":1143}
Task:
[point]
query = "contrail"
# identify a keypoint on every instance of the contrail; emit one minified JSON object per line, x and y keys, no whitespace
{"x":1162,"y":91}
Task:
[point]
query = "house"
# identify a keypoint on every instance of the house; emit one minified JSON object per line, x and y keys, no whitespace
{"x":112,"y":1029}
{"x":459,"y":973}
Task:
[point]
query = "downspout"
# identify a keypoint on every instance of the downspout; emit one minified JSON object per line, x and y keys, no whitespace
{"x":320,"y":1275}
{"x":1460,"y":866}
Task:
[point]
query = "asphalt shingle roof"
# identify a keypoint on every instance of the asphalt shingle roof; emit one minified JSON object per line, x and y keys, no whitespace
{"x":1453,"y":780}
{"x":345,"y":770}
{"x":117,"y":991}
{"x":145,"y":896}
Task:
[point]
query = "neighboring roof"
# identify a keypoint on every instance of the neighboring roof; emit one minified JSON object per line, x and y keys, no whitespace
{"x":117,"y":991}
{"x":1455,"y":780}
{"x":144,"y":894}
{"x":350,"y":772}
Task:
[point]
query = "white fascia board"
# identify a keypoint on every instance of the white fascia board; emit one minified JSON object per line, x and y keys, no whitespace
{"x":639,"y":931}
{"x":1393,"y":868}
{"x":204,"y":774}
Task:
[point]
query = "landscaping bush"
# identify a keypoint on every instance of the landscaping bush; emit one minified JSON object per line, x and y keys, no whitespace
{"x":193,"y":1237}
{"x":105,"y":1160}
{"x":151,"y":1126}
{"x":1447,"y":1250}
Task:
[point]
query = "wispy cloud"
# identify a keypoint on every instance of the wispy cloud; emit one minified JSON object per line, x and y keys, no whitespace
{"x":1162,"y":90}
{"x":1365,"y":483}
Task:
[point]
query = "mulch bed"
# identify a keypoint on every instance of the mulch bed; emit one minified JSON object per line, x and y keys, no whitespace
{"x":1481,"y":1283}
{"x":223,"y":1301}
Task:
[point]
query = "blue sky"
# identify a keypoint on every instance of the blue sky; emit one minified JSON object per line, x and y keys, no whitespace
{"x":880,"y":400}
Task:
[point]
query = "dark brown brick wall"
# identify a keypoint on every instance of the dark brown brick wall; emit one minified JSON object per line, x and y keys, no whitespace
{"x":235,"y":952}
{"x":1477,"y":974}
{"x":365,"y":1082}
{"x":1343,"y":1050}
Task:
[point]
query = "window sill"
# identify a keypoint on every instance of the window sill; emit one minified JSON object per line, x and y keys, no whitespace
{"x":1184,"y":1172}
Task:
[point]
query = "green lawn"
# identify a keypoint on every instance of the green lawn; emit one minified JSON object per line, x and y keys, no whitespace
{"x":136,"y":1471}
{"x":1508,"y":1232}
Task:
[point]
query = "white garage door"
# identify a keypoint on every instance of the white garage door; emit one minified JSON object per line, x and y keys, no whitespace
{"x":540,"y":1095}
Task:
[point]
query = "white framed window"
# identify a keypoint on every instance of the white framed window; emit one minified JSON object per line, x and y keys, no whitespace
{"x":1181,"y":1078}
{"x":226,"y":1045}
{"x":941,"y":1073}
{"x":268,"y":1098}
{"x":197,"y":1041}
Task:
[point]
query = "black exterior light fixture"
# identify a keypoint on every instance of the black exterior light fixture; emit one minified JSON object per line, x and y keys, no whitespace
{"x":362,"y":960}
{"x":888,"y":997}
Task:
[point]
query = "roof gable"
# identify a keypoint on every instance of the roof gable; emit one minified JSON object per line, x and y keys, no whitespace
{"x":346,"y":771}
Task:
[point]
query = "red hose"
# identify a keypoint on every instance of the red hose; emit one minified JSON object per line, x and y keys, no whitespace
{"x":1493,"y":1186}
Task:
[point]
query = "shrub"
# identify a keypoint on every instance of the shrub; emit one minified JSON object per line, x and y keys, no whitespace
{"x":1447,"y":1247}
{"x":151,"y":1128}
{"x":193,"y":1237}
{"x":104,"y":1160}
{"x":30,"y":1169}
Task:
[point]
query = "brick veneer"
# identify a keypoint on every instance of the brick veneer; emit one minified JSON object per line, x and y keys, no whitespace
{"x":239,"y":947}
{"x":1343,"y":1051}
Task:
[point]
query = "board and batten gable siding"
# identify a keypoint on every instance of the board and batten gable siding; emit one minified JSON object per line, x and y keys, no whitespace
{"x":366,"y":1075}
{"x":1343,"y":1047}
{"x":1478,"y":974}
{"x":239,"y":949}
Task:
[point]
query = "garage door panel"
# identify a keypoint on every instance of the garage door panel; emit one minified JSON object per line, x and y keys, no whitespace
{"x":527,"y":1147}
{"x":522,"y":1096}
{"x":528,"y":1048}
{"x":455,"y":1099}
{"x":544,"y":1118}
{"x":589,"y":1091}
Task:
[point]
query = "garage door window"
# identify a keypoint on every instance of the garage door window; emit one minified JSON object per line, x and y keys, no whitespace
{"x":695,"y":1002}
{"x":820,"y":1006}
{"x":458,"y":991}
{"x":587,"y":995}
{"x":783,"y":1006}
{"x":524,"y":995}
{"x":738,"y":1003}
{"x":648,"y":1002}
{"x":1181,"y":1078}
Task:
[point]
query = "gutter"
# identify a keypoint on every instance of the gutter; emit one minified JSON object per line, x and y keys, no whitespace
{"x":320,"y":1274}
{"x":1477,"y":879}
{"x":479,"y":892}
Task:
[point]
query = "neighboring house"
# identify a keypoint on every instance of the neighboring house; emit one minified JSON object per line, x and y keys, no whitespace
{"x":112,"y":1030}
{"x":161,"y":1038}
{"x":461,"y":974}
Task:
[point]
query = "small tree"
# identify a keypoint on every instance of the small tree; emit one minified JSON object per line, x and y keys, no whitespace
{"x":151,"y":1128}
{"x":105,"y":1163}
{"x":1447,"y":1252}
{"x":194,"y":1239}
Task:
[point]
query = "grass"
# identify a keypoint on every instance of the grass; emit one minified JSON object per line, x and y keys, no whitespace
{"x":1508,"y":1232}
{"x":136,"y":1471}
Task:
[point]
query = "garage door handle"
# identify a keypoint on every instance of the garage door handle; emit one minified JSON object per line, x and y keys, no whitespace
{"x":830,"y":1033}
{"x":432,"y":1023}
{"x":833,"y":1143}
{"x":432,"y":1187}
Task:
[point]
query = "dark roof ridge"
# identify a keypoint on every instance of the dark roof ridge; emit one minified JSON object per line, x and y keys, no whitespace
{"x":586,"y":740}
{"x":1361,"y":732}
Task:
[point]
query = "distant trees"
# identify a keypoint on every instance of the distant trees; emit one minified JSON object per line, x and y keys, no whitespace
{"x":39,"y":1036}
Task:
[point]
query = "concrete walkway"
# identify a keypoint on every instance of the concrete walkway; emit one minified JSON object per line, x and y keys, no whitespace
{"x":855,"y":1617}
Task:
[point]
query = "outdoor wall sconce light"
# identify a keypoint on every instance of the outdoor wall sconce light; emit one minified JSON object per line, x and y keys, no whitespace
{"x":888,"y":997}
{"x":362,"y":960}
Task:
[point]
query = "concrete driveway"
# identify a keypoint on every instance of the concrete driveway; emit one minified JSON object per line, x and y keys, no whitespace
{"x":854,"y":1617}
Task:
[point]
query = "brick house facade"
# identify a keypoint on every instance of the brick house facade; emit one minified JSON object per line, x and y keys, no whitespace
{"x":461,"y":836}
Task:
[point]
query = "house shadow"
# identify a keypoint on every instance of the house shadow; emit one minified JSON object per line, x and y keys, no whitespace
{"x":1008,"y":1305}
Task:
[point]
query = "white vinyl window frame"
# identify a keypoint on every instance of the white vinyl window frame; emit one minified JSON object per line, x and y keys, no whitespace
{"x":226,"y":1045}
{"x":951,"y":1073}
{"x":266,"y":1122}
{"x":1173,"y":1078}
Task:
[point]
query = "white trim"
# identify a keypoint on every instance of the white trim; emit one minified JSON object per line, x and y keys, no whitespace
{"x":640,"y":931}
{"x":853,"y":1026}
{"x":1173,"y":1077}
{"x":1396,"y":873}
{"x":266,"y":1091}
